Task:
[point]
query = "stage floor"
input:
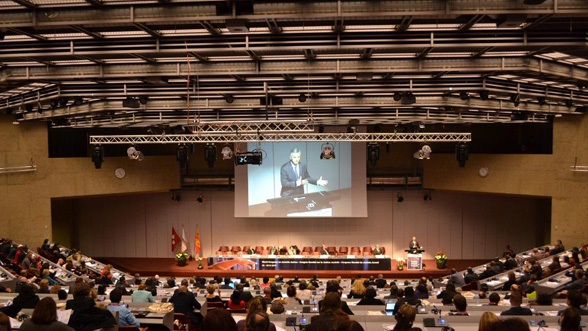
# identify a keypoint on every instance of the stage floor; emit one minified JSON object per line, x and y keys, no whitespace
{"x":168,"y":267}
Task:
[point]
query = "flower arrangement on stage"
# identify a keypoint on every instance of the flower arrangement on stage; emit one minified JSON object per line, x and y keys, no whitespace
{"x":441,"y":259}
{"x":199,"y":259}
{"x":182,"y":258}
{"x":400,"y":263}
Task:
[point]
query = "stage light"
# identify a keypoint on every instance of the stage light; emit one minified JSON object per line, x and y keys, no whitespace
{"x":98,"y":156}
{"x":63,"y":101}
{"x":182,"y":155}
{"x":408,"y":98}
{"x":399,"y":197}
{"x":78,"y":101}
{"x":542,"y":101}
{"x":569,"y":103}
{"x":210,"y":155}
{"x":302,"y":97}
{"x":516,"y":99}
{"x":423,"y":153}
{"x":143,"y":99}
{"x":463,"y":95}
{"x":229,"y":98}
{"x":373,"y":153}
{"x":130,"y":102}
{"x":321,"y":128}
{"x":135,"y":154}
{"x":351,"y":129}
{"x":200,"y":198}
{"x":461,"y":153}
{"x":484,"y":95}
{"x":327,"y":151}
{"x":397,"y":96}
{"x":227,"y":153}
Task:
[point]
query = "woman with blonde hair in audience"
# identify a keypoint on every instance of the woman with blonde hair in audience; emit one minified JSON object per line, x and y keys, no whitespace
{"x":212,"y":296}
{"x":357,"y":290}
{"x":256,"y":317}
{"x":489,"y":322}
{"x":43,"y":286}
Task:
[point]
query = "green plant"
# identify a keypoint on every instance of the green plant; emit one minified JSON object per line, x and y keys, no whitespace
{"x":441,"y":257}
{"x":182,"y":257}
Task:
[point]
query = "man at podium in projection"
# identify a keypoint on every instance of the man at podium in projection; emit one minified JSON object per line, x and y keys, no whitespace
{"x":294,"y":175}
{"x":414,"y":247}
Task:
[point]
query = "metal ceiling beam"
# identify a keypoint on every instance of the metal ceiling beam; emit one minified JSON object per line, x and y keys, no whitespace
{"x":276,"y":137}
{"x":26,"y":3}
{"x":86,"y":31}
{"x":147,"y":29}
{"x":28,"y":34}
{"x":95,"y":2}
{"x":210,"y":28}
{"x":404,"y":24}
{"x":199,"y":57}
{"x":468,"y":25}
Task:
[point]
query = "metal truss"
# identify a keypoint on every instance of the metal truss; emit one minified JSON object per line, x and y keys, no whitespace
{"x":252,"y":127}
{"x":277,"y":137}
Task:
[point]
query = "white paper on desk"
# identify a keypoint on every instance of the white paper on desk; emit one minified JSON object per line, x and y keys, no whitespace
{"x":372,"y":313}
{"x":550,"y":313}
{"x":14,"y":323}
{"x":279,"y":328}
{"x":388,"y":327}
{"x":64,"y":315}
{"x":237,"y":318}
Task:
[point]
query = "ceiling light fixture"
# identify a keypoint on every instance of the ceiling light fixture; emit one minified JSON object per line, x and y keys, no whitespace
{"x":302,"y":97}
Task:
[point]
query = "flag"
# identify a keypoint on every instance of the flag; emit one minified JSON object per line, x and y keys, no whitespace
{"x":175,"y":239}
{"x":197,"y":247}
{"x":184,"y":245}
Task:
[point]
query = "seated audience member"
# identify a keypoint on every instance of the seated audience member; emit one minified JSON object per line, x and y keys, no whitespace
{"x":483,"y":293}
{"x":235,"y":301}
{"x":493,"y":299}
{"x":575,"y":300}
{"x":62,"y":295}
{"x":335,"y":289}
{"x":570,"y":320}
{"x":357,"y":290}
{"x":470,"y":276}
{"x":405,"y":318}
{"x":125,"y":317}
{"x":393,"y":292}
{"x":256,"y":316}
{"x":43,"y":286}
{"x":265,"y":282}
{"x":227,"y":284}
{"x":457,"y":278}
{"x":277,"y":307}
{"x":421,"y":291}
{"x":370,"y":298}
{"x":303,"y":292}
{"x":291,"y":299}
{"x":407,"y":299}
{"x":275,"y":291}
{"x":512,"y":279}
{"x":514,"y":324}
{"x":26,"y":298}
{"x":461,"y":305}
{"x":381,"y":282}
{"x":86,"y":316}
{"x":142,"y":295}
{"x":446,"y":295}
{"x":185,"y":303}
{"x":218,"y":320}
{"x":489,"y":322}
{"x":578,"y":283}
{"x":44,"y":317}
{"x":330,"y":313}
{"x":211,"y":296}
{"x":516,"y":299}
{"x":267,"y":295}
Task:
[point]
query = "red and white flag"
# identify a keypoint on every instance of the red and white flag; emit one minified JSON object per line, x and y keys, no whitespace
{"x":184,"y":246}
{"x":176,"y":240}
{"x":197,"y":247}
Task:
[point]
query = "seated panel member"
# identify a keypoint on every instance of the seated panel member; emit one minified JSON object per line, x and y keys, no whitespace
{"x":378,"y":250}
{"x":272,"y":251}
{"x":324,"y":250}
{"x":250,"y":250}
{"x":283,"y":250}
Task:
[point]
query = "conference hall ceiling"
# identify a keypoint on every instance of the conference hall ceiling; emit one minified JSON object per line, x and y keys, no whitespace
{"x":140,"y":64}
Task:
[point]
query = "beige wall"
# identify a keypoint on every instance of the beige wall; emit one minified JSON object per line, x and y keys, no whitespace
{"x":25,"y":199}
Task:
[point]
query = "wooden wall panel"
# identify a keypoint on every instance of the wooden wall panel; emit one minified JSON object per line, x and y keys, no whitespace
{"x":463,"y":225}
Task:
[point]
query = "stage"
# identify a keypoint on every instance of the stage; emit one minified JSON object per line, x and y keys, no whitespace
{"x":168,"y":267}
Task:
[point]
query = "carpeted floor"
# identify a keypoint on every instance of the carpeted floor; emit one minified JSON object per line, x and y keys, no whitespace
{"x":168,"y":267}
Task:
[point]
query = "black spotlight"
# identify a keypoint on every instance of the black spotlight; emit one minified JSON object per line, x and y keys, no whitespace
{"x":78,"y":101}
{"x":463,"y":95}
{"x":182,"y":155}
{"x":210,"y":155}
{"x":373,"y":153}
{"x":397,"y":96}
{"x":484,"y":95}
{"x":63,"y":101}
{"x":302,"y":97}
{"x":408,"y":98}
{"x":143,"y":99}
{"x":542,"y":101}
{"x":229,"y":98}
{"x":200,"y":199}
{"x":321,"y":129}
{"x":98,"y":156}
{"x":462,"y":153}
{"x":516,"y":99}
{"x":399,"y":197}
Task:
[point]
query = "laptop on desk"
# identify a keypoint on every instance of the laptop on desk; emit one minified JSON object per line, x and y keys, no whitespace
{"x":389,"y":309}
